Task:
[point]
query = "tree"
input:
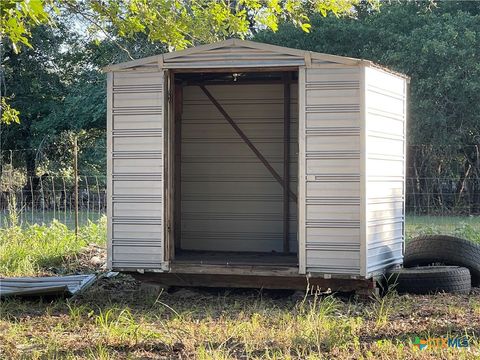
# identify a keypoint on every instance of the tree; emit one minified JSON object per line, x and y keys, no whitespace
{"x":438,"y":49}
{"x":34,"y":76}
{"x":17,"y":17}
{"x":177,"y":23}
{"x":60,"y":91}
{"x":438,"y":46}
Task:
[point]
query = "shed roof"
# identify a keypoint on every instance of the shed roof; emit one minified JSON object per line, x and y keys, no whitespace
{"x":239,"y":53}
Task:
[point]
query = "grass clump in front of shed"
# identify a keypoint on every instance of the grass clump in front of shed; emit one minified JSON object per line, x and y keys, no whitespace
{"x":45,"y":249}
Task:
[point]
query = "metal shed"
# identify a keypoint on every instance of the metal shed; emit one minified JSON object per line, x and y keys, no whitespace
{"x":240,"y":159}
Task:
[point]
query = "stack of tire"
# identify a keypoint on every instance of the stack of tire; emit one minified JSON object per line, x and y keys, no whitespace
{"x":438,"y":263}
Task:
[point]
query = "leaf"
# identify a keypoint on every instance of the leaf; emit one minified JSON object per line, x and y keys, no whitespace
{"x":9,"y":114}
{"x":306,"y":27}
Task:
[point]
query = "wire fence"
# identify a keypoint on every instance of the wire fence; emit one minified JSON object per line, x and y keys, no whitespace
{"x":442,"y":192}
{"x":438,"y":209}
{"x":42,"y":199}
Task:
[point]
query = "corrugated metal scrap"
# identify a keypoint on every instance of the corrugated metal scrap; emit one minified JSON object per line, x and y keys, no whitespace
{"x":41,"y":286}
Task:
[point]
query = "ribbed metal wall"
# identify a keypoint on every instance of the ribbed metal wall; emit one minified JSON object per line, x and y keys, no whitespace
{"x":330,"y":164}
{"x":135,"y":169}
{"x":385,"y":99}
{"x":230,"y":201}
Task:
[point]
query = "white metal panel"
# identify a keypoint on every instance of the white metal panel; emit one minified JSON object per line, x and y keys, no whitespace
{"x":385,"y":111}
{"x":329,"y":170}
{"x":233,"y":56}
{"x":135,"y":158}
{"x":229,"y":200}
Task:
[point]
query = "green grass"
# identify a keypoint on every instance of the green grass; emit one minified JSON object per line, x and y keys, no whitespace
{"x":467,"y":227}
{"x":117,"y":319}
{"x":35,"y":249}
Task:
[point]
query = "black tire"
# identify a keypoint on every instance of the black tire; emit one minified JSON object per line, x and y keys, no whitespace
{"x":448,"y":250}
{"x":431,"y":279}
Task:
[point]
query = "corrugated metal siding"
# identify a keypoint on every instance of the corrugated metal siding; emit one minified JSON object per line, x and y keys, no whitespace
{"x":136,"y":169}
{"x":233,"y":56}
{"x":385,"y":98}
{"x":230,"y":202}
{"x":329,"y":199}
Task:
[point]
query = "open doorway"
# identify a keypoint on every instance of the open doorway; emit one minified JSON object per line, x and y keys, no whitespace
{"x":235,"y":145}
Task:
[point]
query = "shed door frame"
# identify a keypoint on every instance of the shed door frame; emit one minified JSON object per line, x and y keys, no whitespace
{"x":301,"y":205}
{"x":172,"y":153}
{"x":169,"y":167}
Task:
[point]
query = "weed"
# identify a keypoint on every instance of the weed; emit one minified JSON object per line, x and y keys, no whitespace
{"x":467,"y":231}
{"x":34,"y":250}
{"x":383,"y":304}
{"x":120,"y":326}
{"x":321,"y":326}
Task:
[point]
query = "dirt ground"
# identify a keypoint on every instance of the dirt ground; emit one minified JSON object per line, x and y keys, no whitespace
{"x":118,"y":318}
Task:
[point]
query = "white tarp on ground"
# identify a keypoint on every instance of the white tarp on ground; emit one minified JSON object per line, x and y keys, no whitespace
{"x":38,"y":286}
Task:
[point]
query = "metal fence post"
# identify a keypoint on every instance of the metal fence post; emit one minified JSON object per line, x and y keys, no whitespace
{"x":75,"y":170}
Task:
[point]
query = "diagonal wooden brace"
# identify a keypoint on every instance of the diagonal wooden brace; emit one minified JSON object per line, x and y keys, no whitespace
{"x":247,"y":141}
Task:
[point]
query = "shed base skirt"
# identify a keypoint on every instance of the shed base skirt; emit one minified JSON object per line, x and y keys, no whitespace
{"x":363,"y":287}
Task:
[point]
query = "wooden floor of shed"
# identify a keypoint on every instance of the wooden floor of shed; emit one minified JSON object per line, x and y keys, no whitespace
{"x":235,"y":258}
{"x":248,"y":270}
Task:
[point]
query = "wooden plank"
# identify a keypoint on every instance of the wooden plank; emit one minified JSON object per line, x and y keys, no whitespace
{"x":229,"y":258}
{"x":254,"y":281}
{"x":252,"y":269}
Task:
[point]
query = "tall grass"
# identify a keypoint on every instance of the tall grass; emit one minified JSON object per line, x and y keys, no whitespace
{"x":32,"y":250}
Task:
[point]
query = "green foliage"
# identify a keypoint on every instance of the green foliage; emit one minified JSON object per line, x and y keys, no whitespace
{"x":177,"y":23}
{"x":35,"y":249}
{"x":58,"y":94}
{"x":9,"y":114}
{"x":18,"y":16}
{"x":383,"y":305}
{"x":467,"y":227}
{"x":182,"y":23}
{"x":320,"y":328}
{"x":467,"y":231}
{"x":437,"y":46}
{"x":119,"y":325}
{"x":34,"y":76}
